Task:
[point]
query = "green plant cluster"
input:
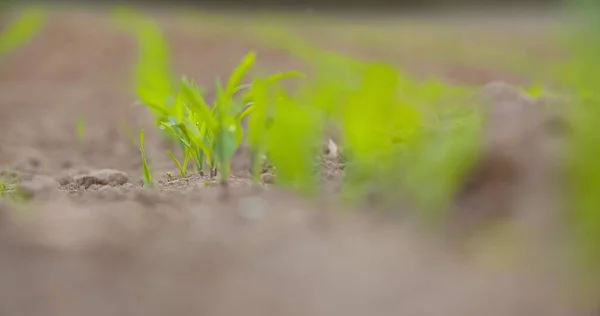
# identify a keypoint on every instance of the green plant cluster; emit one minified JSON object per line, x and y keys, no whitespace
{"x":382,"y":115}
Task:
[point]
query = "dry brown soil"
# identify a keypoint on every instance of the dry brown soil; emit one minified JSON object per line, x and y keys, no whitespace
{"x":93,"y":242}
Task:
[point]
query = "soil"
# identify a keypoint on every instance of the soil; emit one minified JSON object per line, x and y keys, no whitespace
{"x":92,"y":241}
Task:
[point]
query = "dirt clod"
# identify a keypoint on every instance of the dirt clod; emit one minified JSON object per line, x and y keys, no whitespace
{"x":100,"y":177}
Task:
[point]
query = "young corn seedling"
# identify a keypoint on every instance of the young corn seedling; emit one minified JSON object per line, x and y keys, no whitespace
{"x":261,"y":98}
{"x":257,"y":126}
{"x":176,"y":120}
{"x":374,"y":124}
{"x":145,"y":163}
{"x":192,"y":125}
{"x":291,"y":141}
{"x":396,"y":131}
{"x":228,"y":114}
{"x":382,"y":115}
{"x":208,"y":135}
{"x":181,"y":167}
{"x":153,"y":77}
{"x":215,"y":132}
{"x":433,"y":162}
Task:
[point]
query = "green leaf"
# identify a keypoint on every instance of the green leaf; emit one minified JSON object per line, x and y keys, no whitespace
{"x":249,"y":109}
{"x":182,"y":168}
{"x":241,"y":87}
{"x":145,"y":164}
{"x":153,"y":74}
{"x":182,"y":137}
{"x":291,"y":143}
{"x":27,"y":25}
{"x":238,"y":74}
{"x":198,"y":105}
{"x":196,"y":142}
{"x":227,"y":147}
{"x":258,"y":120}
{"x":366,"y":132}
{"x":275,"y":78}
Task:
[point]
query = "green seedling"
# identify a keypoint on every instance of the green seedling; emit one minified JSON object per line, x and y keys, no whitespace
{"x":392,"y":126}
{"x":257,"y":126}
{"x":261,"y":97}
{"x":229,"y":112}
{"x":23,"y":29}
{"x":382,"y":114}
{"x":182,"y":167}
{"x":228,"y":131}
{"x":154,"y":86}
{"x":375,"y":122}
{"x":153,"y":77}
{"x":291,"y":140}
{"x":145,"y":163}
{"x":208,"y":134}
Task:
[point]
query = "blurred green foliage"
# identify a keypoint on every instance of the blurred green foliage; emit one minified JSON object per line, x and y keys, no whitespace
{"x":582,"y":78}
{"x":27,"y":24}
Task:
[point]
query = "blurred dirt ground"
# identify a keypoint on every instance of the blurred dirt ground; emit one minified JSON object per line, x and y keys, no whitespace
{"x":108,"y":247}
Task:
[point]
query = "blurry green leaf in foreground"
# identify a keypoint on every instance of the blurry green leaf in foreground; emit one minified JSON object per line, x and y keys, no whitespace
{"x":367,"y":115}
{"x":291,"y":143}
{"x":20,"y":31}
{"x":154,"y":81}
{"x":584,"y":138}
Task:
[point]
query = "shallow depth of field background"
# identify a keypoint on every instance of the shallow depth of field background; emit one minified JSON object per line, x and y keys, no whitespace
{"x":67,"y":105}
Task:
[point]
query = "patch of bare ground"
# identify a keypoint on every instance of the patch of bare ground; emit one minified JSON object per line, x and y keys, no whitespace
{"x":93,"y":241}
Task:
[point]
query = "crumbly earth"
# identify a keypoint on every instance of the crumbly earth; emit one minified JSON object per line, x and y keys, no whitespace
{"x":93,"y":242}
